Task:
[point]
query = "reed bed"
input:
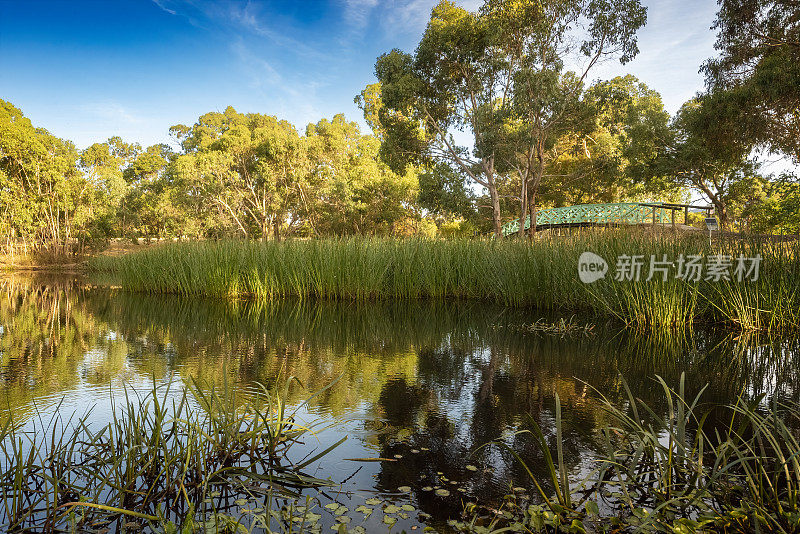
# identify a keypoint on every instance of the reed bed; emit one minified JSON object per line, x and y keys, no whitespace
{"x":510,"y":272}
{"x":164,"y":459}
{"x":667,"y":472}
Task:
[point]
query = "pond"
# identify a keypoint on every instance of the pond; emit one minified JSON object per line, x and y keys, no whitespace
{"x":419,"y":386}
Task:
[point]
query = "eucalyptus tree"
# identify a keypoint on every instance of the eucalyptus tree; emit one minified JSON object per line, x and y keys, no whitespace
{"x":250,"y":167}
{"x":702,"y":156}
{"x":754,"y":83}
{"x":151,"y":205}
{"x":616,"y":157}
{"x":547,"y":115}
{"x":441,"y":89}
{"x":499,"y":73}
{"x":350,"y":190}
{"x":44,"y":198}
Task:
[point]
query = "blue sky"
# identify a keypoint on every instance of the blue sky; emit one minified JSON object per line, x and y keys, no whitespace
{"x":90,"y":70}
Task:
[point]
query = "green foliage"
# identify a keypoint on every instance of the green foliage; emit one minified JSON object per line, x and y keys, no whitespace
{"x":498,"y":74}
{"x":705,"y":157}
{"x":756,"y":79}
{"x":44,"y":199}
{"x":164,"y":457}
{"x":508,"y":272}
{"x":673,"y":473}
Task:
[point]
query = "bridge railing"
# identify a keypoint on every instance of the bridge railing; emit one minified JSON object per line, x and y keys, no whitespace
{"x":611,"y":213}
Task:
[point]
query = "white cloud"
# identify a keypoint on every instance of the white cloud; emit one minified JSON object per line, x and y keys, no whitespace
{"x":111,"y":112}
{"x":161,"y":4}
{"x":357,"y":12}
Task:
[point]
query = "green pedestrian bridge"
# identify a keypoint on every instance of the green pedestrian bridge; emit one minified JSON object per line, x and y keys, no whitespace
{"x":616,"y":214}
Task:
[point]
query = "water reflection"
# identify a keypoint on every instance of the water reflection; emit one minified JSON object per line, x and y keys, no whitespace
{"x":422,"y":384}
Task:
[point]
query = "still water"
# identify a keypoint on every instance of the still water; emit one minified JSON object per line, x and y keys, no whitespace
{"x":421,"y":385}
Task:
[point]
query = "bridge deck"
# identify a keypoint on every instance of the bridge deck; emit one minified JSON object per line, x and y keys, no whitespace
{"x":620,"y":213}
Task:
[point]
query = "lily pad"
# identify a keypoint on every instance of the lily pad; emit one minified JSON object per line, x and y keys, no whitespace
{"x":471,"y":468}
{"x":389,"y":520}
{"x":373,"y":501}
{"x":442,"y":492}
{"x":404,"y":489}
{"x":408,"y":508}
{"x":427,"y":488}
{"x":364,"y":510}
{"x":391,"y":509}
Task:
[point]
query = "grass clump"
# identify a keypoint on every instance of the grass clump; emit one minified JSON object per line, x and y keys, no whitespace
{"x":162,"y":460}
{"x":510,"y":272}
{"x":670,"y":473}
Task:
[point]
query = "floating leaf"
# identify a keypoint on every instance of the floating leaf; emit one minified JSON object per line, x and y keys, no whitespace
{"x":471,"y":468}
{"x":343,"y":519}
{"x":408,"y":508}
{"x":442,"y":492}
{"x":364,"y":510}
{"x":391,"y":509}
{"x":373,"y":502}
{"x":403,"y":515}
{"x":332,"y":506}
{"x":519,"y":489}
{"x":427,"y":488}
{"x":398,"y":456}
{"x":389,"y":520}
{"x":404,"y":489}
{"x":592,"y":508}
{"x":414,"y":451}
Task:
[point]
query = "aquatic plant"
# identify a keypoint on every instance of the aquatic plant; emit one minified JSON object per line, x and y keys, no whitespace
{"x":508,"y":272}
{"x":673,"y":472}
{"x":164,"y":458}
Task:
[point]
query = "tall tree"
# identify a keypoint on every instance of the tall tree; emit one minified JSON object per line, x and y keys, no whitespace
{"x":699,"y":159}
{"x":44,"y":199}
{"x":499,"y":74}
{"x":755,"y":81}
{"x":351,"y":189}
{"x":249,"y":166}
{"x":443,"y":88}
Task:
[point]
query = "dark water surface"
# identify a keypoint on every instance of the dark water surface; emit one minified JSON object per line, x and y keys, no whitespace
{"x":421,"y":383}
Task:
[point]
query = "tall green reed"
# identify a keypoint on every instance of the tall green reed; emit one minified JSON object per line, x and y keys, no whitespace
{"x":162,"y":458}
{"x":510,"y":272}
{"x":675,"y":471}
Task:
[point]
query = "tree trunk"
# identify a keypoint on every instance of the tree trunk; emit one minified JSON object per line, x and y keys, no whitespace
{"x":523,"y":201}
{"x":721,"y":210}
{"x":498,"y":227}
{"x":276,"y":234}
{"x":533,"y":190}
{"x":533,"y":212}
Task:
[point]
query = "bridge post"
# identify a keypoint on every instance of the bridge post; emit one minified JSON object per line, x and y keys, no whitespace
{"x":654,"y":216}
